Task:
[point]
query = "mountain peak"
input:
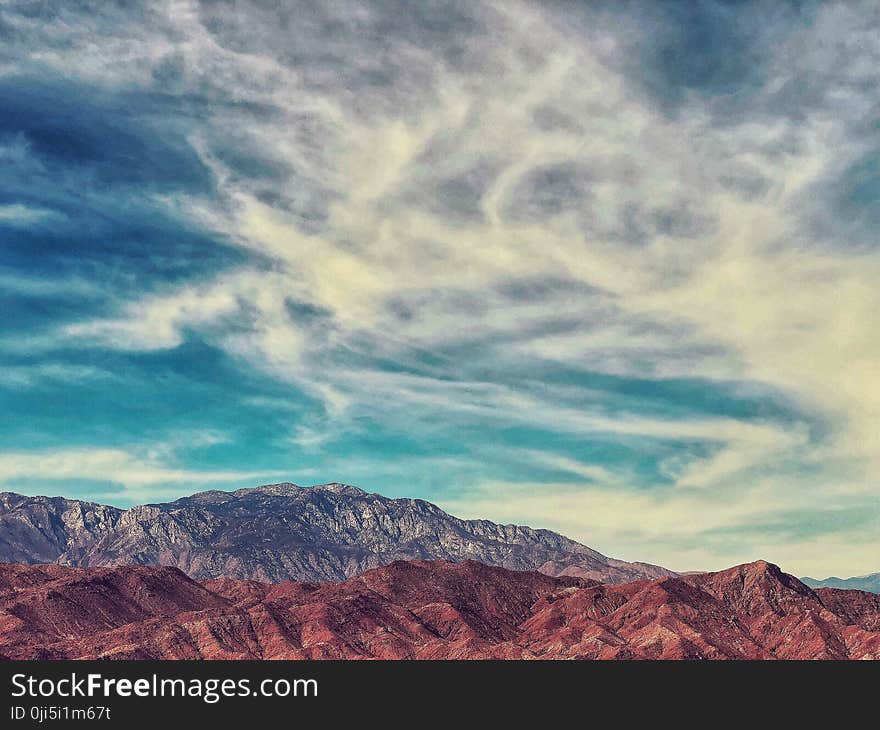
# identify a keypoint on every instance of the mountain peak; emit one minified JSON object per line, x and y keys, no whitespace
{"x":289,"y":489}
{"x":755,"y":587}
{"x":760,"y":567}
{"x":282,"y":489}
{"x":340,"y":488}
{"x":755,"y":568}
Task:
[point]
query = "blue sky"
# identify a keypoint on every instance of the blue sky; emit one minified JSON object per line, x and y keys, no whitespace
{"x":607,"y":268}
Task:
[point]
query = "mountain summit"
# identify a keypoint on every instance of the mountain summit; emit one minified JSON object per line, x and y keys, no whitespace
{"x":279,"y":532}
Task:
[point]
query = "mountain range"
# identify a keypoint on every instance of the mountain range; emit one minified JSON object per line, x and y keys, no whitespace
{"x":282,"y":532}
{"x":429,"y":610}
{"x":870,"y":583}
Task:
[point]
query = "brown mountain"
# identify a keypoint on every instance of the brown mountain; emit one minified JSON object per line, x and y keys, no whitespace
{"x":284,"y":532}
{"x":430,"y":610}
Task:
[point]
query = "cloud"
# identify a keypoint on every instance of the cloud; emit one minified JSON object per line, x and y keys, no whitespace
{"x":687,"y":529}
{"x":141,"y":475}
{"x":17,"y":215}
{"x":575,"y":467}
{"x":28,"y":376}
{"x":158,"y":323}
{"x":487,"y":219}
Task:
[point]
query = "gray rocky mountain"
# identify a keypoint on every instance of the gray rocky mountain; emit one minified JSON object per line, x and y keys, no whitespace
{"x":41,"y":529}
{"x":282,"y":532}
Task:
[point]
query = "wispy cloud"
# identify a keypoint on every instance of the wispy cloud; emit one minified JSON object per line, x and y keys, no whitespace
{"x":447,"y":215}
{"x":28,"y":376}
{"x":137,"y":477}
{"x":18,"y":215}
{"x":688,"y":529}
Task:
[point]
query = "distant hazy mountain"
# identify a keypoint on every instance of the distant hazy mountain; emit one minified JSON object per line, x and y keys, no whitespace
{"x":870,"y":582}
{"x":285,"y":532}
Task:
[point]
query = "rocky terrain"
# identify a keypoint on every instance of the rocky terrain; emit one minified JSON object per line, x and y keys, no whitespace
{"x":870,"y":583}
{"x":41,"y":529}
{"x":285,"y":532}
{"x":429,"y":610}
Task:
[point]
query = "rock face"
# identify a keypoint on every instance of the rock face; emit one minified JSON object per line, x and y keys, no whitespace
{"x":429,"y":610}
{"x":40,"y":529}
{"x":285,"y":532}
{"x":870,"y":583}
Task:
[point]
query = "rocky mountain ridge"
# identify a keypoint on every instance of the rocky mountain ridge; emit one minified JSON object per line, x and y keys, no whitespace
{"x":285,"y":532}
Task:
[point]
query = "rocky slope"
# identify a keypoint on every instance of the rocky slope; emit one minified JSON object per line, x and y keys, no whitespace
{"x":430,"y":610}
{"x":280,"y":532}
{"x":870,"y":583}
{"x":40,"y":529}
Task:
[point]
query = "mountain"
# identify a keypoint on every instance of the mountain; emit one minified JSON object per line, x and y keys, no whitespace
{"x":429,"y":610}
{"x":283,"y":532}
{"x":870,"y":583}
{"x":40,"y":529}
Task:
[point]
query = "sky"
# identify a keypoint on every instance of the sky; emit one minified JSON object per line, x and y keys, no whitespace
{"x":608,"y":268}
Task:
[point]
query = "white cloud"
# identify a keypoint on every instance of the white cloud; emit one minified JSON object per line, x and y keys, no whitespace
{"x":673,"y":266}
{"x":144,"y":475}
{"x":575,"y":467}
{"x":683,"y":529}
{"x":27,"y":376}
{"x":158,"y":323}
{"x":25,"y":216}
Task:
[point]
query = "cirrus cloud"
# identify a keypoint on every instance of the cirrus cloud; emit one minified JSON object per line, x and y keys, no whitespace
{"x":520,"y":230}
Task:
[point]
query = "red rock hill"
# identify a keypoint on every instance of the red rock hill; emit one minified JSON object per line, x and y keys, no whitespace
{"x":430,"y":610}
